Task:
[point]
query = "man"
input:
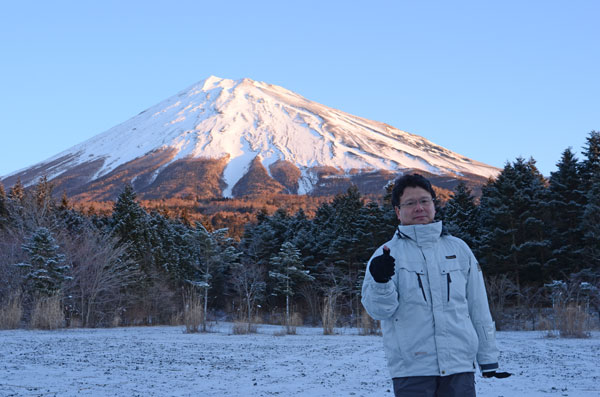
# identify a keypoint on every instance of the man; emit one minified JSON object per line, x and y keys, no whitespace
{"x":427,"y":289}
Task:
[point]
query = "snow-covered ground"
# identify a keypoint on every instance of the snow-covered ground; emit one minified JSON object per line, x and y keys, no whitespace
{"x":164,"y":361}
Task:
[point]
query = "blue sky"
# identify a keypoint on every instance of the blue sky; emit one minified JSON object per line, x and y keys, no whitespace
{"x":492,"y":80}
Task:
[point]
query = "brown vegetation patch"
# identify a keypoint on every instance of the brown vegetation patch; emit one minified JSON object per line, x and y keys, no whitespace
{"x":287,"y":174}
{"x":109,"y":186}
{"x":188,"y":178}
{"x":256,"y":182}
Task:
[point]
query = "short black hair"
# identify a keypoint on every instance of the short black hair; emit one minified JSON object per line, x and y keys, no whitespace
{"x":414,"y":180}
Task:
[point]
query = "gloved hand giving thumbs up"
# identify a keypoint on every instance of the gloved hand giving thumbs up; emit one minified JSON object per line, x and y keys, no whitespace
{"x":382,"y":266}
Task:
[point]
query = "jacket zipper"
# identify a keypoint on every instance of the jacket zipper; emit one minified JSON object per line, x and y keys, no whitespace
{"x":449,"y":281}
{"x":421,"y":286}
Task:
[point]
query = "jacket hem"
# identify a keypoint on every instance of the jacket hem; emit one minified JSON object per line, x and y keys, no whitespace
{"x":439,"y":373}
{"x":488,"y":367}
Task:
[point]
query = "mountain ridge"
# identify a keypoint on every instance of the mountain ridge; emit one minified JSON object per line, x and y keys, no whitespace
{"x":210,"y":135}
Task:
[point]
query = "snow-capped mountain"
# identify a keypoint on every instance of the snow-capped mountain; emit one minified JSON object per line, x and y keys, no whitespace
{"x":223,"y":137}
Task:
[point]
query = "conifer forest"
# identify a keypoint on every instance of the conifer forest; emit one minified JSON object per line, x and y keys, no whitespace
{"x":537,"y":240}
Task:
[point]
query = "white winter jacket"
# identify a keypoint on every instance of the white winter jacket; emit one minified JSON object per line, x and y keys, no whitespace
{"x":434,"y":310}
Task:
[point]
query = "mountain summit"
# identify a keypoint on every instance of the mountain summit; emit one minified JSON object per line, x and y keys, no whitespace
{"x":224,"y":137}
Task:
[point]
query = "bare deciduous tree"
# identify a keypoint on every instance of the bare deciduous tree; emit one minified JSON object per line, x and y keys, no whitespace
{"x":99,"y":273}
{"x":248,"y":280}
{"x":336,"y":285}
{"x":499,"y":289}
{"x":10,"y":254}
{"x":532,"y":297}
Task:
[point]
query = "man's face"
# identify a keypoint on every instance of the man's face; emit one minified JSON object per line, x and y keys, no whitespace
{"x":416,"y":207}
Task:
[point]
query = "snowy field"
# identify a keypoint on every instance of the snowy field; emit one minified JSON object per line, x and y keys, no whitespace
{"x":164,"y":361}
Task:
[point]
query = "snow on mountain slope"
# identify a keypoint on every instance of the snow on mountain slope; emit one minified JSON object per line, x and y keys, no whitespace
{"x":242,"y":119}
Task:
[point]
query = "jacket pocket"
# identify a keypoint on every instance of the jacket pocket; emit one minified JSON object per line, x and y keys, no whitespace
{"x":454,"y":273}
{"x":413,"y":286}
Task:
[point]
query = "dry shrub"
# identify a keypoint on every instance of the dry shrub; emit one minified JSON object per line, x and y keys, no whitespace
{"x":500,"y":290}
{"x":295,"y":321}
{"x":75,"y":322}
{"x":329,"y":314}
{"x":571,"y":301}
{"x":239,"y":328}
{"x":572,"y":321}
{"x":544,"y":323}
{"x":177,"y":319}
{"x":242,"y":328}
{"x":47,"y":313}
{"x":368,"y":326}
{"x":193,"y":311}
{"x":11,"y":312}
{"x":257,"y":319}
{"x":116,"y":321}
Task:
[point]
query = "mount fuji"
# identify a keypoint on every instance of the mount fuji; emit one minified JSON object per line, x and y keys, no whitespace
{"x":230,"y":138}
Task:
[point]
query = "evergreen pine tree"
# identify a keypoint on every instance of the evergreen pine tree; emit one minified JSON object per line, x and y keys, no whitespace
{"x":162,"y":243}
{"x":337,"y":251}
{"x":213,"y":253}
{"x":460,"y":215}
{"x":514,"y":214}
{"x":47,"y":270}
{"x":287,"y":271}
{"x":302,"y":236}
{"x":323,"y":229}
{"x":346,"y":248}
{"x":566,"y":204}
{"x":184,"y":253}
{"x":263,"y":240}
{"x":590,"y":165}
{"x":73,"y":221}
{"x":372,"y":226}
{"x":591,"y":226}
{"x":129,"y":223}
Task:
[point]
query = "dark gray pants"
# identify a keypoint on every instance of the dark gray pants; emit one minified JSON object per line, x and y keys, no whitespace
{"x":457,"y":385}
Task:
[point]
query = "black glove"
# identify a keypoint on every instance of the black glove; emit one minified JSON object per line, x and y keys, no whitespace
{"x":494,"y":374}
{"x":382,"y":266}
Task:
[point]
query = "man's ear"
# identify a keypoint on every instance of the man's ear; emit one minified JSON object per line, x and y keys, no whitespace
{"x":397,"y":209}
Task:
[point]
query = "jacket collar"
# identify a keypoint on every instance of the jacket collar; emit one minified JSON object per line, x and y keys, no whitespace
{"x":422,"y":234}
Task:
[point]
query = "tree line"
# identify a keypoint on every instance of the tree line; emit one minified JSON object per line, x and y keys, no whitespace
{"x":135,"y":266}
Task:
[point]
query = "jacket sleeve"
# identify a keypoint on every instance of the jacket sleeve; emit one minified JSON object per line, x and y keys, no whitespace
{"x":479,"y":311}
{"x":380,"y":300}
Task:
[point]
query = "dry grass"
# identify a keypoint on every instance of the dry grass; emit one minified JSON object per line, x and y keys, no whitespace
{"x":176,"y":319}
{"x":295,"y":321}
{"x":116,"y":321}
{"x":75,"y":322}
{"x":572,"y":321}
{"x":47,"y":313}
{"x":193,"y":311}
{"x":329,"y":315}
{"x":368,"y":326}
{"x":11,"y":312}
{"x":242,"y":328}
{"x":543,"y":323}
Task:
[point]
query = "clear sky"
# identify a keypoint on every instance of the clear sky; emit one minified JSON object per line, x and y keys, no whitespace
{"x":492,"y":80}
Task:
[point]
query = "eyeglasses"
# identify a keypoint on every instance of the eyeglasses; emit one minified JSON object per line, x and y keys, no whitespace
{"x":410,"y":204}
